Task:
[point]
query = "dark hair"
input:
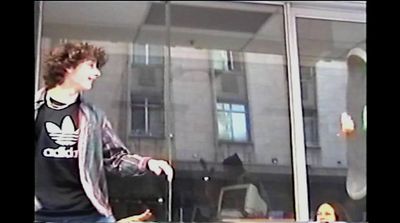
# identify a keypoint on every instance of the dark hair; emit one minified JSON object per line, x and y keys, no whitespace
{"x":234,"y":162}
{"x":70,"y":55}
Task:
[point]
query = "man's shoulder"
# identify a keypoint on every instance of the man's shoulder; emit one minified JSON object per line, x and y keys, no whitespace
{"x":92,"y":108}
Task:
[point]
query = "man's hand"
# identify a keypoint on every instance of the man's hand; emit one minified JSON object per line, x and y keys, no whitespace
{"x":347,"y":124}
{"x":136,"y":218}
{"x":159,"y":166}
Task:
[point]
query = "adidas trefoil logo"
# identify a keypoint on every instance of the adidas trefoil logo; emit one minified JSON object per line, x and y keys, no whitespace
{"x":66,"y":136}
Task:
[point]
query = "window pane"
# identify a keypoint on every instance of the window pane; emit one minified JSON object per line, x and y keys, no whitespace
{"x":156,"y":54}
{"x":254,"y":33}
{"x":238,"y":108}
{"x":225,"y":125}
{"x":156,"y":123}
{"x":122,"y":29}
{"x":337,"y":162}
{"x":220,"y":60}
{"x":239,"y":126}
{"x":234,"y":122}
{"x":227,"y":107}
{"x":230,"y":146}
{"x":219,"y":106}
{"x":311,"y":130}
{"x":139,"y":54}
{"x":138,"y":121}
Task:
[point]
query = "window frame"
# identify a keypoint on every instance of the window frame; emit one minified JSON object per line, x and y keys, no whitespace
{"x":230,"y":111}
{"x":150,"y":51}
{"x":148,"y":107}
{"x":293,"y":11}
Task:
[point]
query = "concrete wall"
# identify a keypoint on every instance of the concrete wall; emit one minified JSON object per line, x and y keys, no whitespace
{"x":331,"y":102}
{"x":192,"y":102}
{"x":269,"y":112}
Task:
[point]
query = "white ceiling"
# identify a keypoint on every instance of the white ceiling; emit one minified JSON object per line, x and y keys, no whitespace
{"x":234,"y":28}
{"x":328,"y":39}
{"x":126,"y":14}
{"x":240,"y":26}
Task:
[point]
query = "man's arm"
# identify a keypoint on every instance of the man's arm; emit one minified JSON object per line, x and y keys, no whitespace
{"x":118,"y":160}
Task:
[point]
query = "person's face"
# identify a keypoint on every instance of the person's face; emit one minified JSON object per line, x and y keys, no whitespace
{"x":326,"y":213}
{"x":82,"y":77}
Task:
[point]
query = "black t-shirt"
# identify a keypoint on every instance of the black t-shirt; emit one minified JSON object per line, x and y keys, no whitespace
{"x":57,"y":183}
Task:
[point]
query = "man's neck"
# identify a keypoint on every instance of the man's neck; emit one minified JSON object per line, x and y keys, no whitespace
{"x":63,"y":94}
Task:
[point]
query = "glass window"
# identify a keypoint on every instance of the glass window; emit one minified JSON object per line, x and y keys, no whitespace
{"x":148,"y":54}
{"x":130,"y":90}
{"x":225,"y":104}
{"x":230,"y":112}
{"x":225,"y":60}
{"x":232,"y":122}
{"x":238,"y":108}
{"x":333,"y":83}
{"x":147,"y":118}
{"x":139,"y":120}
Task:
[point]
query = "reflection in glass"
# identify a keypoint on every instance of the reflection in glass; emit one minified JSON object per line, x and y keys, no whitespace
{"x":232,"y":122}
{"x":335,"y":160}
{"x":130,"y":90}
{"x":230,"y":99}
{"x":225,"y":125}
{"x":147,"y":118}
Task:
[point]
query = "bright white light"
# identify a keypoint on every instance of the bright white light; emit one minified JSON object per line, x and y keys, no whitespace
{"x":206,"y":178}
{"x":160,"y":200}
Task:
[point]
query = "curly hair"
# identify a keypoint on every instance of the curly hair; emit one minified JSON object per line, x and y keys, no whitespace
{"x":70,"y":55}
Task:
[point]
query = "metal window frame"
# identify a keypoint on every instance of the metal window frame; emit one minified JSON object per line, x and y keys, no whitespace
{"x":148,"y":107}
{"x":292,"y":12}
{"x":296,"y":120}
{"x":230,"y":112}
{"x":38,"y":45}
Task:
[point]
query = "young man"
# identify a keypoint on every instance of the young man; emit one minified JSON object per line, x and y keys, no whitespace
{"x":75,"y":144}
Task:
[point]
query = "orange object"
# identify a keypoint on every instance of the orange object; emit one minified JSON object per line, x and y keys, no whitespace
{"x":137,"y":218}
{"x":346,"y":124}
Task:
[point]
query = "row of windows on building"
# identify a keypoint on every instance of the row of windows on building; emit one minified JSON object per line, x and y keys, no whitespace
{"x":148,"y":120}
{"x":233,"y":119}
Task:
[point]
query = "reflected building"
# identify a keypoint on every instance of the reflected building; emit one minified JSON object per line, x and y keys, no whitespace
{"x":219,"y":80}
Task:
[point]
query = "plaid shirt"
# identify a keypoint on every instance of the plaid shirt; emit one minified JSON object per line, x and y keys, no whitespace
{"x":99,"y":149}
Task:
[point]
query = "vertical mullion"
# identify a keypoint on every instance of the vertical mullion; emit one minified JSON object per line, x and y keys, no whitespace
{"x":38,"y":44}
{"x":296,"y":117}
{"x":168,"y":109}
{"x":146,"y":115}
{"x":231,"y":60}
{"x":147,"y":53}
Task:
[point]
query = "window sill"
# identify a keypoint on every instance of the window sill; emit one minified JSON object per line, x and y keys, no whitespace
{"x":132,"y":136}
{"x":230,"y":72}
{"x":315,"y":147}
{"x":160,"y":65}
{"x":229,"y":142}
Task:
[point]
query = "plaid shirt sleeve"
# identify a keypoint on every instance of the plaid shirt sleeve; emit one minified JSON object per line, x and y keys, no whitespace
{"x":117,"y":158}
